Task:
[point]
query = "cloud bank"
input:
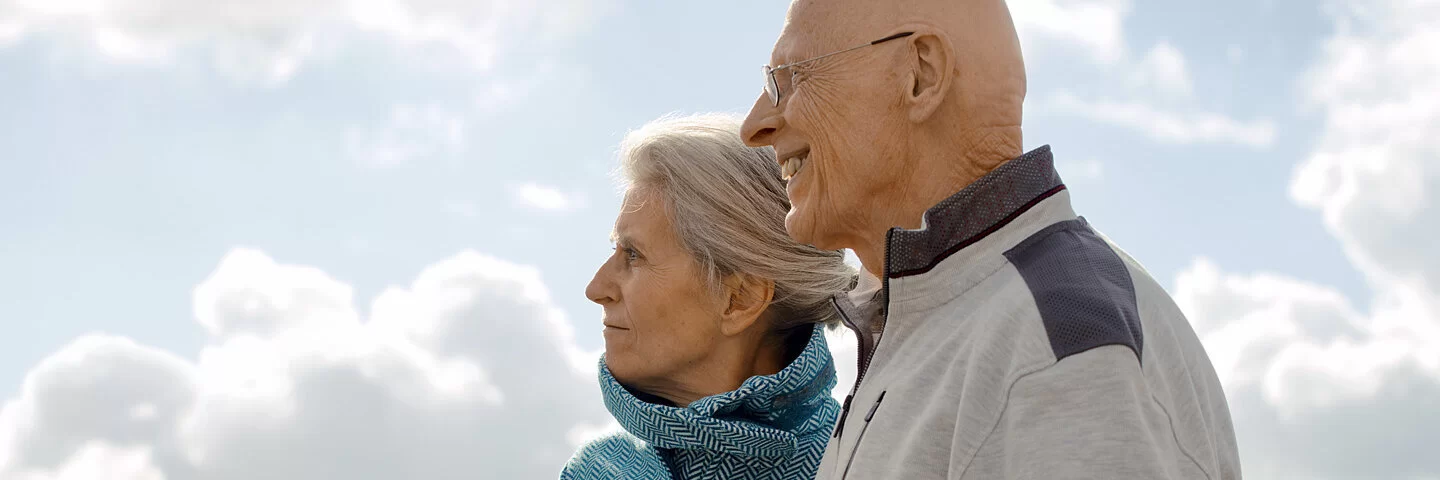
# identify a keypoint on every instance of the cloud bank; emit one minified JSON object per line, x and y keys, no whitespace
{"x":1319,"y":387}
{"x":469,"y":372}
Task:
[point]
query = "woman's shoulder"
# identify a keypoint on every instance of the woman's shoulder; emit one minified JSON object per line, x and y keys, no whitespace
{"x":616,"y":455}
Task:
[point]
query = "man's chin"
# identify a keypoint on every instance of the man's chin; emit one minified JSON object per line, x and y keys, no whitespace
{"x":802,"y":227}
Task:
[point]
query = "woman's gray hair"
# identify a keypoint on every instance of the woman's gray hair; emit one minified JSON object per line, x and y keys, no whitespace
{"x":727,"y":204}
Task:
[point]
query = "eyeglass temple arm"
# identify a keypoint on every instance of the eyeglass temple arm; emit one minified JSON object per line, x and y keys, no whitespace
{"x":857,"y":47}
{"x":892,"y":37}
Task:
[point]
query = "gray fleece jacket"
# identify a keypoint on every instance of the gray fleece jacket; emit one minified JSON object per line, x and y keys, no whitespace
{"x":1008,"y":339}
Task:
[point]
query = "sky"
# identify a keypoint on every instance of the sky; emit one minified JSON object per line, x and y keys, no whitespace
{"x":350,"y":238}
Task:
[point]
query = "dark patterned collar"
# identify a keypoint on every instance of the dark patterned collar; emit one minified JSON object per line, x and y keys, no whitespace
{"x":983,"y":207}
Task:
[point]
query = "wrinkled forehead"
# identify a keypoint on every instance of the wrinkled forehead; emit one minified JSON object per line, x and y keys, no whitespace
{"x":815,"y":27}
{"x":636,"y":206}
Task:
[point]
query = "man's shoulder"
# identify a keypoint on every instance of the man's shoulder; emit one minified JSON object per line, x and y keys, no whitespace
{"x":1059,"y":292}
{"x":1083,"y":290}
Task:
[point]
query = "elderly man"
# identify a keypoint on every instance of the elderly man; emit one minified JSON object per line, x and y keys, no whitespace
{"x":1000,"y":335}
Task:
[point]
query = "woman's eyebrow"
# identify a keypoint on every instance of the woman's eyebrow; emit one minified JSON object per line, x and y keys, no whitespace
{"x":626,"y":241}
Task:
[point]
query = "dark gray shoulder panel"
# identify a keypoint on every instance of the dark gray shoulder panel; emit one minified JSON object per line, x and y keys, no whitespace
{"x":1083,"y":290}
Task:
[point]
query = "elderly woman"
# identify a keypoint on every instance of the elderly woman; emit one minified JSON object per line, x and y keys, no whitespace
{"x":715,"y":360}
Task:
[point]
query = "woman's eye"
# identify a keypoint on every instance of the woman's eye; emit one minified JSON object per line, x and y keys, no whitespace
{"x":630,"y":254}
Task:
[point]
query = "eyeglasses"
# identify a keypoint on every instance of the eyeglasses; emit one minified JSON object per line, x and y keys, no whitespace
{"x":772,"y":87}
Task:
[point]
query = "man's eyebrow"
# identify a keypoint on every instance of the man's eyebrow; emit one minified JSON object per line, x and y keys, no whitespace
{"x":777,"y":57}
{"x":783,"y":56}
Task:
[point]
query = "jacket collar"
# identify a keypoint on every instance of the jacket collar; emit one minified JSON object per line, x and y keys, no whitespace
{"x":954,"y":229}
{"x":764,"y":417}
{"x":980,"y":209}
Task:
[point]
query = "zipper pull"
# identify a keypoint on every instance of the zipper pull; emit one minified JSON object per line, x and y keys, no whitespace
{"x":844,"y":412}
{"x":874,"y":407}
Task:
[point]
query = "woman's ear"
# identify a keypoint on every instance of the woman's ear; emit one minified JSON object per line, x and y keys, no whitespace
{"x":745,"y":299}
{"x":934,"y":69}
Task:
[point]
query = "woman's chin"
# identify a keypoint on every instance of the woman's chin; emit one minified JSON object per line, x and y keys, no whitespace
{"x":616,"y":360}
{"x":622,"y":373}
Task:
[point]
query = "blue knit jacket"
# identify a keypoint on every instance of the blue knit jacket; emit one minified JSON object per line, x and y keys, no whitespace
{"x":772,"y":427}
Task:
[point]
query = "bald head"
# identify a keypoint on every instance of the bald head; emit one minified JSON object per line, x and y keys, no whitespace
{"x":981,"y":31}
{"x":987,"y":68}
{"x":880,"y":133}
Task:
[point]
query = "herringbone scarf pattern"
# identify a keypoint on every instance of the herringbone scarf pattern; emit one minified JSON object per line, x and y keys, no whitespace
{"x":773,"y":427}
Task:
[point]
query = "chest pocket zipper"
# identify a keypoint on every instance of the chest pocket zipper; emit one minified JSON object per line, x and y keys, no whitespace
{"x":861,"y":436}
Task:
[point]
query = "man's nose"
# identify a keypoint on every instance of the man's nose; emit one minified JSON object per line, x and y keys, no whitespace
{"x":761,"y":123}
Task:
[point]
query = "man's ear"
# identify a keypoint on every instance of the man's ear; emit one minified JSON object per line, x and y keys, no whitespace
{"x":745,"y":298}
{"x":933,"y":67}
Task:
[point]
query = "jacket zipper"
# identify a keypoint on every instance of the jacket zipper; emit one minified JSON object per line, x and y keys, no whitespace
{"x":862,"y":361}
{"x":884,"y":312}
{"x":866,"y":426}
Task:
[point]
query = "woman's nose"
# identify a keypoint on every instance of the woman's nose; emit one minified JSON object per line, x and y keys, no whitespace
{"x":602,"y":289}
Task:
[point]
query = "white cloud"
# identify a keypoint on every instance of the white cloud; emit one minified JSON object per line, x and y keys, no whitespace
{"x":1375,"y":174}
{"x":1318,"y":387}
{"x":9,"y":33}
{"x":1163,"y":68}
{"x":269,"y":40}
{"x":1157,"y":97}
{"x":1093,"y":25}
{"x":1166,"y":126}
{"x":249,"y":294}
{"x":545,"y":197}
{"x":293,"y":384}
{"x":99,"y":461}
{"x":1096,"y":28}
{"x":1247,"y":322}
{"x":412,"y":132}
